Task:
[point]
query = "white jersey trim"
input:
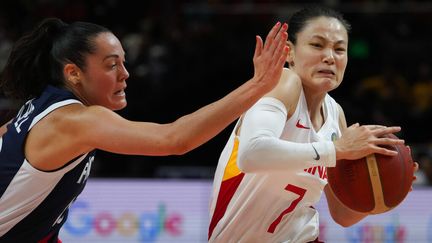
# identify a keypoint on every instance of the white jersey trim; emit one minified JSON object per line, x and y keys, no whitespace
{"x":51,"y":108}
{"x":16,"y":202}
{"x":13,"y":207}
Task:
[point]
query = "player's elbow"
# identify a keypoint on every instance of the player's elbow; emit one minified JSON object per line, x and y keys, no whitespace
{"x":173,"y":143}
{"x":180,"y":147}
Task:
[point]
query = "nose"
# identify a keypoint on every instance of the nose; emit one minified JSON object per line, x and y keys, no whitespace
{"x":124,"y":74}
{"x":328,"y":56}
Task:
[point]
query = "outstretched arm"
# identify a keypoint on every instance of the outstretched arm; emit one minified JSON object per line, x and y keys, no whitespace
{"x":75,"y":129}
{"x":190,"y":131}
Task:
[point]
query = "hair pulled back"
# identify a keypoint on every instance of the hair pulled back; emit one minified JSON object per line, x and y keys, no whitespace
{"x":37,"y":58}
{"x":301,"y":18}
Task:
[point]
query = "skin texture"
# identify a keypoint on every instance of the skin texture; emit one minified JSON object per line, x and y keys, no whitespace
{"x":73,"y":130}
{"x":104,"y":80}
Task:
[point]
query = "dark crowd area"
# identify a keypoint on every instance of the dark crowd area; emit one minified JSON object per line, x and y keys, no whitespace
{"x":182,"y":55}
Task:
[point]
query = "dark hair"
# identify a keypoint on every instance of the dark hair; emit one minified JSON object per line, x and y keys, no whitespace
{"x":300,"y":19}
{"x":37,"y":58}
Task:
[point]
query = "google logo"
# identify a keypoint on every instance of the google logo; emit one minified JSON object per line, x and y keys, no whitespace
{"x":377,"y":233}
{"x":147,"y":226}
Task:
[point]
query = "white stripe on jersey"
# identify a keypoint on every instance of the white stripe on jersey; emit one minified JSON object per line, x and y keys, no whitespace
{"x":27,"y":190}
{"x":30,"y":186}
{"x":51,"y":108}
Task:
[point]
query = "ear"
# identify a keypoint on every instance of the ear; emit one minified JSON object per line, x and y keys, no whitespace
{"x":291,"y":54}
{"x":72,"y":73}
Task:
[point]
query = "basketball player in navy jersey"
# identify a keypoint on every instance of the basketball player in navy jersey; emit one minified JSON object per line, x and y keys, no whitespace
{"x":73,"y":78}
{"x":272,"y":170}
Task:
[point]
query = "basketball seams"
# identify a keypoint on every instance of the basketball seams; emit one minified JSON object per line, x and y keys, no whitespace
{"x":377,"y":190}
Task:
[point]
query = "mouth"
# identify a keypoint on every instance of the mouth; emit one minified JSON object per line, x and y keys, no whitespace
{"x":326,"y":72}
{"x":120,"y":93}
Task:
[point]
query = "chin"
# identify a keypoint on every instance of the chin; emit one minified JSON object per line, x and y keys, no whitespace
{"x":118,"y":106}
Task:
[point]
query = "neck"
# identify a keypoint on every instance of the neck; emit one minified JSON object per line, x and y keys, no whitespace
{"x":75,"y":90}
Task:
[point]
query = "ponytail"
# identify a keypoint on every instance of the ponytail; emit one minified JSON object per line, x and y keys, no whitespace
{"x":37,"y":59}
{"x":28,"y":69}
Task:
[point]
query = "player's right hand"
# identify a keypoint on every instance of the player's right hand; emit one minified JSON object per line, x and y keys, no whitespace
{"x":359,"y":141}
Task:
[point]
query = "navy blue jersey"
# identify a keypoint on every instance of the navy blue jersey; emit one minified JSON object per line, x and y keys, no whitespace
{"x":34,"y":203}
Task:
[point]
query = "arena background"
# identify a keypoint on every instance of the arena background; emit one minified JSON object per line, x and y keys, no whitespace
{"x":184,"y":54}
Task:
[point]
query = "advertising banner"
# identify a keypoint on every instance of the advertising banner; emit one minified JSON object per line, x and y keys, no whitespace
{"x":177,"y":211}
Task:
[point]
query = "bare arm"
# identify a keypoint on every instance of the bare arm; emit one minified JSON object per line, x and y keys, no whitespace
{"x":339,"y":212}
{"x":73,"y":130}
{"x":190,"y":131}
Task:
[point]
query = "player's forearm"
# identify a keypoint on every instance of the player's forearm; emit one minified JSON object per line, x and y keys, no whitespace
{"x":341,"y":214}
{"x":261,"y":148}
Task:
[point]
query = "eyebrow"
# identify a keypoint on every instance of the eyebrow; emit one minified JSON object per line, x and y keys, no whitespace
{"x":322,"y":38}
{"x":113,"y":56}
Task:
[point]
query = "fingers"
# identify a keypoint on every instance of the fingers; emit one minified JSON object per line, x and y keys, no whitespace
{"x":276,"y":36}
{"x":416,"y":166}
{"x":386,"y":130}
{"x":384,"y":151}
{"x":374,"y":127}
{"x":282,"y":59}
{"x":258,"y":47}
{"x":282,"y":49}
{"x":379,"y":130}
{"x":271,"y":35}
{"x":355,"y":125}
{"x":280,"y":40}
{"x":389,"y":141}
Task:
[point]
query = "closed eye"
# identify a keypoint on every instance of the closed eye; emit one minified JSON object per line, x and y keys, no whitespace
{"x":316,"y":45}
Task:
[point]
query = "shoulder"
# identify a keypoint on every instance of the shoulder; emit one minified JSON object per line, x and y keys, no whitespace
{"x":287,"y":90}
{"x":76,"y":120}
{"x":84,"y":118}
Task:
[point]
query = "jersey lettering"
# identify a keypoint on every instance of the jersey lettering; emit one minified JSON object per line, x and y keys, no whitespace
{"x":86,"y":171}
{"x":322,"y":171}
{"x":23,"y":115}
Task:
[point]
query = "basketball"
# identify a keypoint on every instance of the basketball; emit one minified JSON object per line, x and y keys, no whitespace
{"x":373,"y":184}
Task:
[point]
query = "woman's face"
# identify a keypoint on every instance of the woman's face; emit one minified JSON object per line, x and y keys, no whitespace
{"x":320,"y":54}
{"x":104,"y":78}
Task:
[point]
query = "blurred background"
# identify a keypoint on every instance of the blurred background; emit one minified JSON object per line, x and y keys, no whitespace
{"x":183,"y":55}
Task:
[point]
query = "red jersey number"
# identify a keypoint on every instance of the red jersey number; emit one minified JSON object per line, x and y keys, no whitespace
{"x":291,"y":188}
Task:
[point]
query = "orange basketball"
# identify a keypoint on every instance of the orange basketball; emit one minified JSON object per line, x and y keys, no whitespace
{"x":374,"y":184}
